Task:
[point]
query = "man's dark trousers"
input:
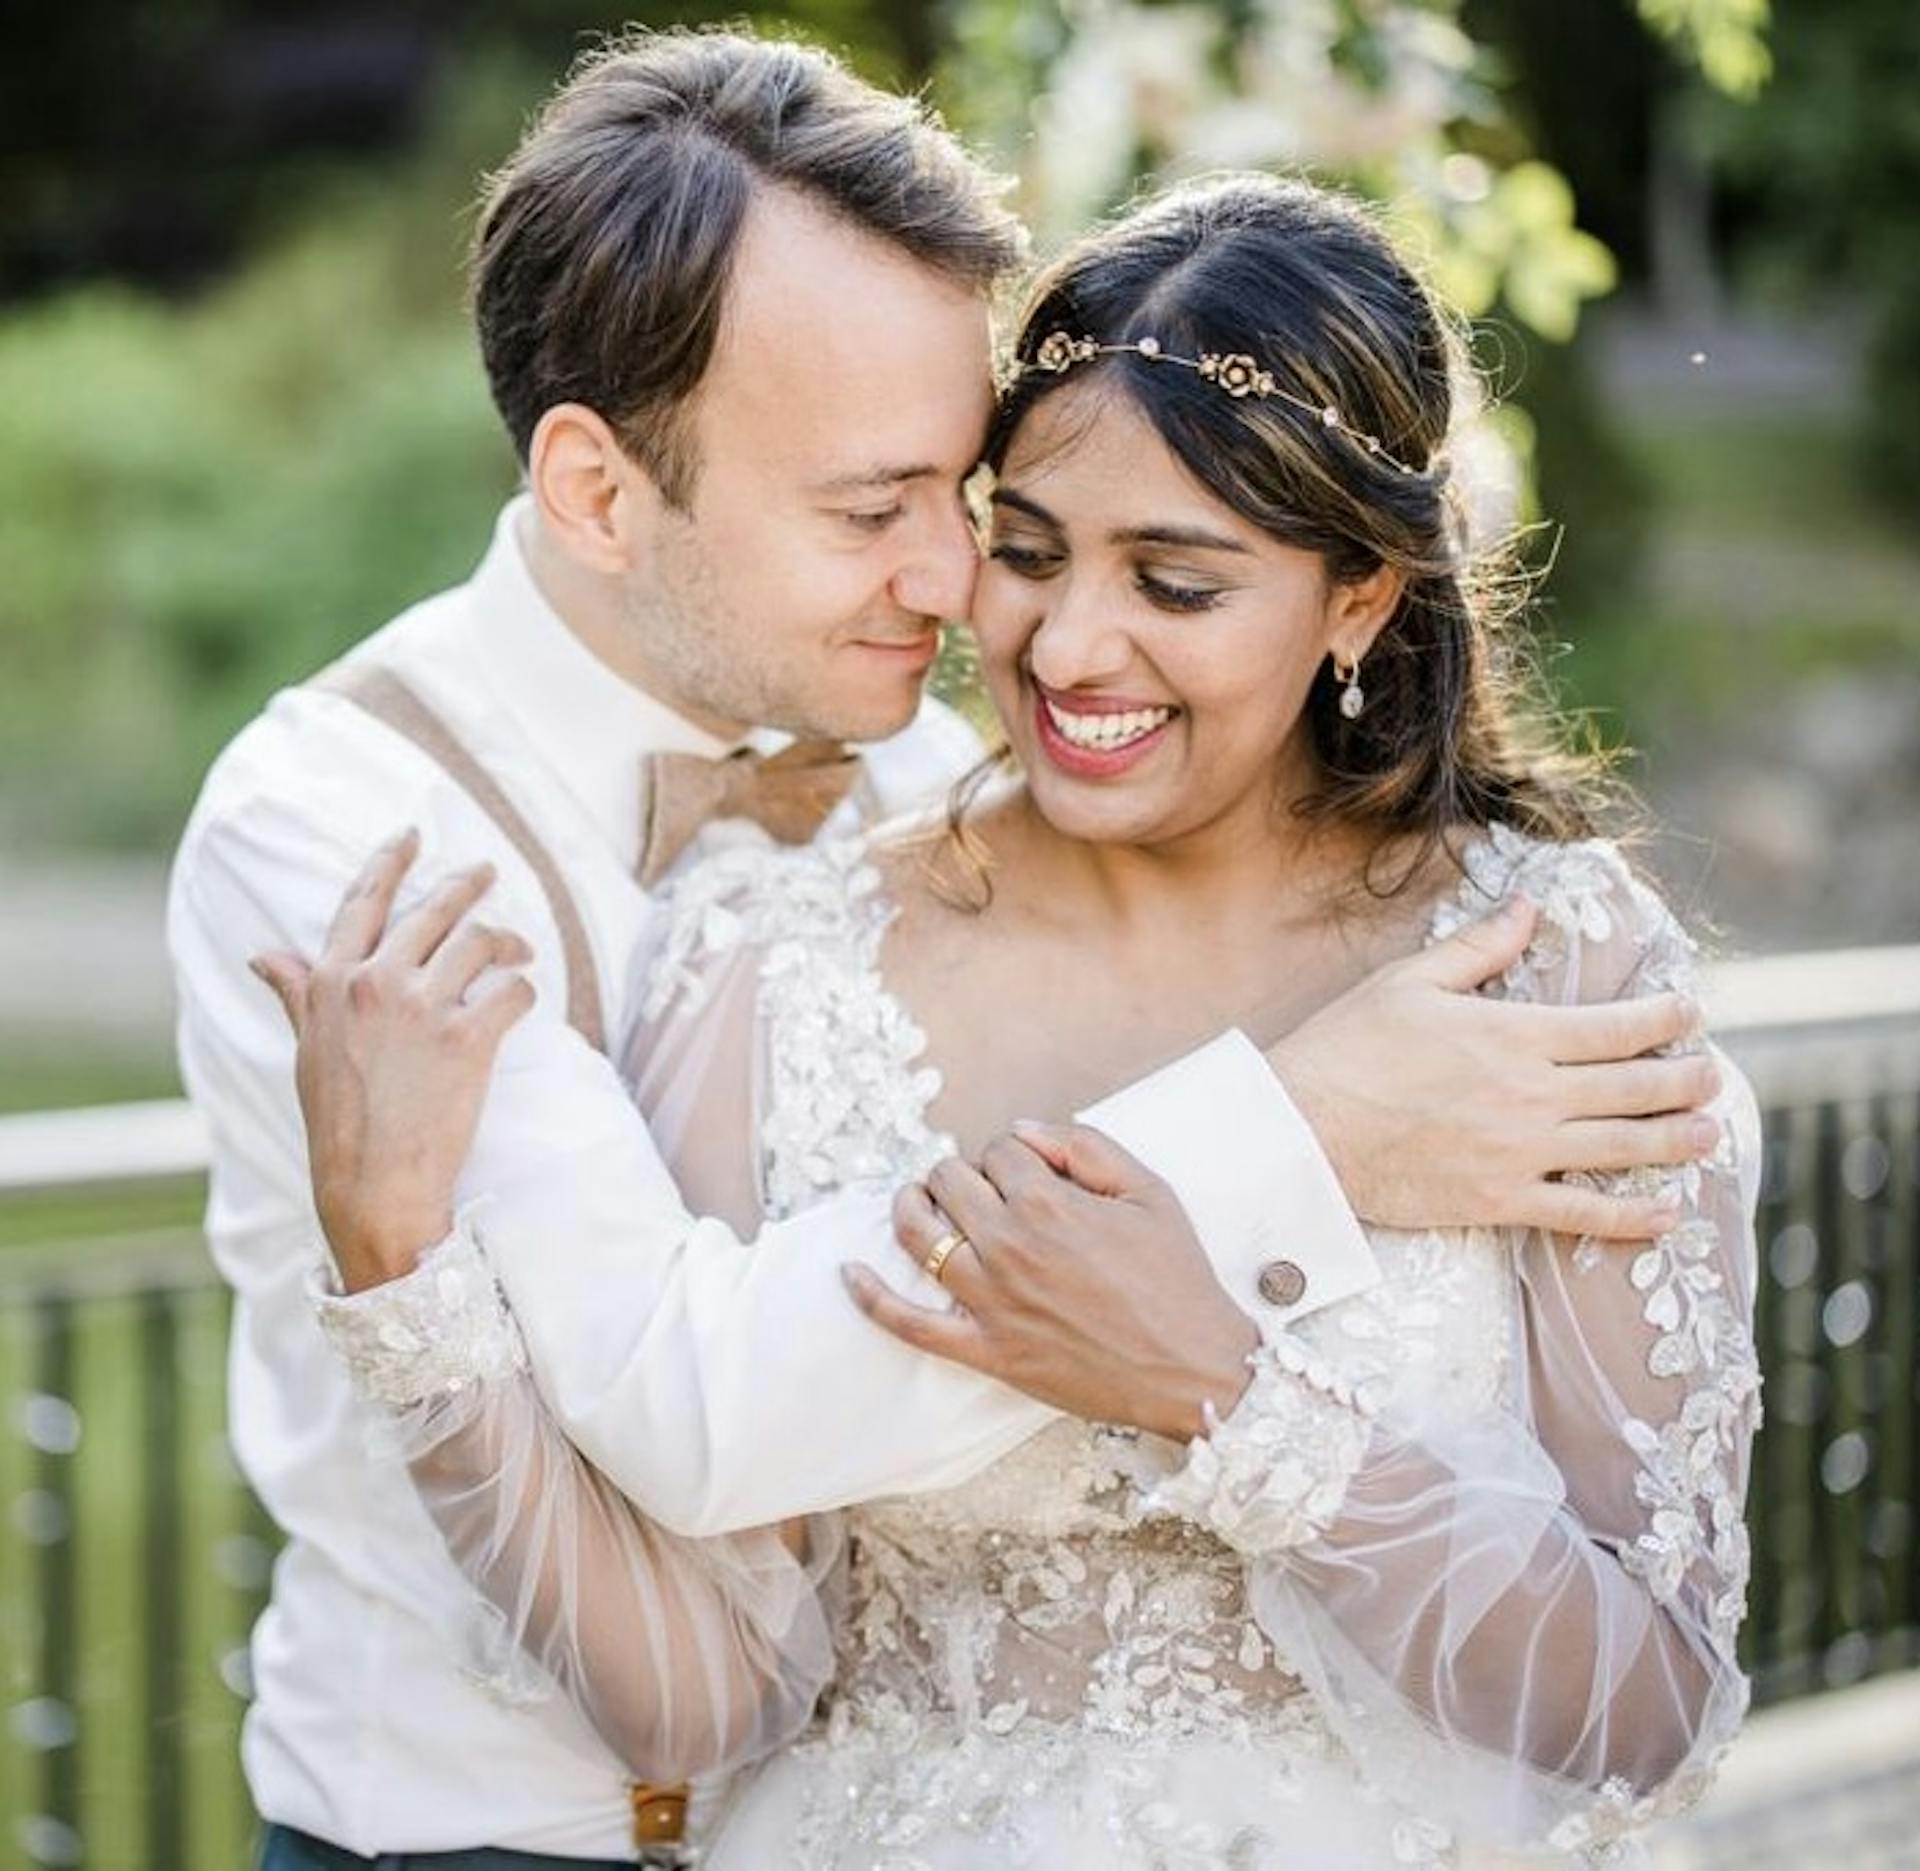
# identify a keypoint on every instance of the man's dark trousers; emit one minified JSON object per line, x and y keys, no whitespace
{"x":284,"y":1849}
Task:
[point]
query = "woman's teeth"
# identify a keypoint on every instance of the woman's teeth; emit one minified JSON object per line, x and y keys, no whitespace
{"x":1104,"y":733}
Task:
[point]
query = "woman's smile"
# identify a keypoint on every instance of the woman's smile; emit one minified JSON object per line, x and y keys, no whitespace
{"x":1098,"y":737}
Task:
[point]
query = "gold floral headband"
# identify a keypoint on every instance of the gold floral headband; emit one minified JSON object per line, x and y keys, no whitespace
{"x":1235,"y":372}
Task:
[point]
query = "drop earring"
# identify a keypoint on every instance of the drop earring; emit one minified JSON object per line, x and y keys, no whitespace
{"x":1353,"y":697}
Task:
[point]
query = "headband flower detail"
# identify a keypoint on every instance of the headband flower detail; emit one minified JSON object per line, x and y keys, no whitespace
{"x":1059,"y":351}
{"x":1236,"y":373}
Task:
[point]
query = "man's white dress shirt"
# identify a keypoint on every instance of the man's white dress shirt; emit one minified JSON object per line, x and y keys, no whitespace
{"x":721,"y":1385}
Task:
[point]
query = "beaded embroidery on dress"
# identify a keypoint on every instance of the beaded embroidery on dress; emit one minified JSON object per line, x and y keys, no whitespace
{"x":1463,"y":1568}
{"x":1107,"y":1649}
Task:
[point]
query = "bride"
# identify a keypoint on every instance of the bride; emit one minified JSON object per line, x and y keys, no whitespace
{"x":1463,"y":1567}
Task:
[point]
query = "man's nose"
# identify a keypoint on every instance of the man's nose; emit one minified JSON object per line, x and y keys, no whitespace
{"x":938,"y":580}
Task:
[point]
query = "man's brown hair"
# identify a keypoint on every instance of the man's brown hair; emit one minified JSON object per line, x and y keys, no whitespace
{"x":604,"y":245}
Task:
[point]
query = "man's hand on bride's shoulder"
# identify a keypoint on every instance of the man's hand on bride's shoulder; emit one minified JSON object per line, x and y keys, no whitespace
{"x":1075,"y":1276}
{"x":397,"y":1030}
{"x":1439,"y":1107}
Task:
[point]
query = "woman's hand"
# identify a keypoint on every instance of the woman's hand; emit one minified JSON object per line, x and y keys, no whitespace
{"x":1076,"y":1277}
{"x":397,"y":1032}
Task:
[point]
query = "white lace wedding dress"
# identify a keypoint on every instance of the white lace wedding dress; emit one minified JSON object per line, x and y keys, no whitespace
{"x":1461,"y":1573}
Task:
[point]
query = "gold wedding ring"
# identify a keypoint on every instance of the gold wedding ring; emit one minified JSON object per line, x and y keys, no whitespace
{"x":940,"y":1253}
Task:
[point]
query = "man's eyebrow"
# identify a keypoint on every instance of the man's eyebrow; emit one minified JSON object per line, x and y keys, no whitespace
{"x":881,"y":475}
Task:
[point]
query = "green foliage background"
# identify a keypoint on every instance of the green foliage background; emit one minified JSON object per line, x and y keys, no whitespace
{"x":206,"y":492}
{"x":205,"y":495}
{"x":202,"y":500}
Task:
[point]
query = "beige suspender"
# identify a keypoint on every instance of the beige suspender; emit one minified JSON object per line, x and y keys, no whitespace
{"x":659,"y":1812}
{"x":389,"y":700}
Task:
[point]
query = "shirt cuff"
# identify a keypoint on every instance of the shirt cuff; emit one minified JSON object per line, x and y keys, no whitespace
{"x":1218,"y":1126}
{"x":427,"y":1335}
{"x":1273,"y":1474}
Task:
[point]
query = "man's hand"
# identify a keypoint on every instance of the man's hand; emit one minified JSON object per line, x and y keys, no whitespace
{"x":397,"y":1033}
{"x":1078,"y":1279}
{"x":1437,"y":1107}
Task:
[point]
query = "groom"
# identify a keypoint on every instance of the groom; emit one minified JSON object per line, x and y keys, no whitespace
{"x":733,"y":308}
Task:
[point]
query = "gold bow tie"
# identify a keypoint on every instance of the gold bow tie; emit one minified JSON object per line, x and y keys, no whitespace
{"x":789,"y":794}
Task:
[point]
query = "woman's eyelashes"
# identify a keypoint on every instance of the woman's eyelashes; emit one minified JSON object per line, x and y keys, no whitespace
{"x":1165,"y":593}
{"x":1171,"y":595}
{"x":1027,"y":560}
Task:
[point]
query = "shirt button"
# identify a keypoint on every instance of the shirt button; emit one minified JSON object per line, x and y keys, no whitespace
{"x":1283,"y":1283}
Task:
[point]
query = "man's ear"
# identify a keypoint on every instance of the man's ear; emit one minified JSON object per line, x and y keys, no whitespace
{"x":1360,"y":609}
{"x":595,"y":501}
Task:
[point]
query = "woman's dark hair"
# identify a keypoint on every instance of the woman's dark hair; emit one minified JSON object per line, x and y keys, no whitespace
{"x":1301,"y":280}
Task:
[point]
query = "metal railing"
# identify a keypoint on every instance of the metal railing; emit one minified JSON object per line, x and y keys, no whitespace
{"x":133,"y":1564}
{"x":1832,"y":1043}
{"x":133,"y":1561}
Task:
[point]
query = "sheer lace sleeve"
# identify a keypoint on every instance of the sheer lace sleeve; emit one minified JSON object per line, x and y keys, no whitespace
{"x":1522,"y":1620}
{"x":685,"y":1655}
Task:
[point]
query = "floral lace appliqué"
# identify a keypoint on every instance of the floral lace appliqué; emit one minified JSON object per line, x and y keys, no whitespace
{"x":1273,"y":1474}
{"x":431,"y":1335}
{"x":1694,"y":1543}
{"x":840,"y":1094}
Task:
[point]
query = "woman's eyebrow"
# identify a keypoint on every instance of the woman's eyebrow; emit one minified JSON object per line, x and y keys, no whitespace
{"x":1003,"y":496}
{"x":1169,"y":534}
{"x":1177,"y":536}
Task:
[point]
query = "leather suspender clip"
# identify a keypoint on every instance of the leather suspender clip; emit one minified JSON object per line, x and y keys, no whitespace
{"x":659,"y":1824}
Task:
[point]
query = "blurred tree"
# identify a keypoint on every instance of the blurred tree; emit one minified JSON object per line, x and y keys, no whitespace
{"x":201,"y":499}
{"x":147,"y":138}
{"x":208,"y":494}
{"x":1416,"y":104}
{"x":1727,"y":39}
{"x":1824,"y":184}
{"x":154,"y":140}
{"x":1582,"y":85}
{"x":1088,"y":97}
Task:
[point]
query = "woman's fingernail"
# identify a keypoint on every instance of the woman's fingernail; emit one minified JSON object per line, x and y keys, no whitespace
{"x":1027,"y":1127}
{"x":1704,"y":1135}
